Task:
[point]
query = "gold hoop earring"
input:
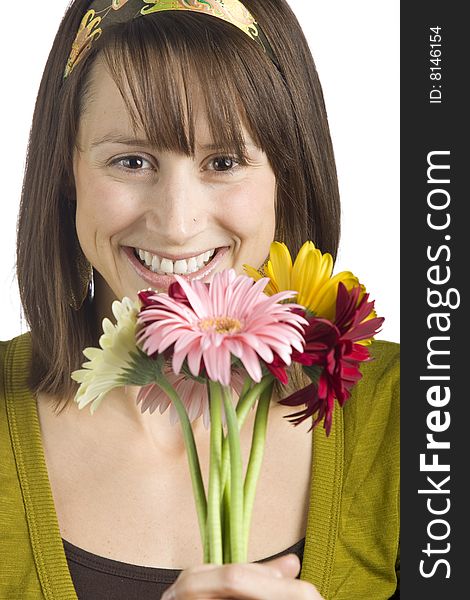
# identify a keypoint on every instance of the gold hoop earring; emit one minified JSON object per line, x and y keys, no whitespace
{"x":263,"y":269}
{"x":82,"y":285}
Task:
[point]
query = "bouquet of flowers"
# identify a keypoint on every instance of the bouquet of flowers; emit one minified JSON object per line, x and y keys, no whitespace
{"x":190,"y":348}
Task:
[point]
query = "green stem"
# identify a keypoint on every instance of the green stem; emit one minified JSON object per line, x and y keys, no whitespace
{"x":246,"y":402}
{"x":237,"y":549}
{"x":214,"y":492}
{"x":246,"y":387}
{"x":244,"y":405}
{"x":193,"y":459}
{"x":256,"y":458}
{"x":207,"y":554}
{"x":226,"y":523}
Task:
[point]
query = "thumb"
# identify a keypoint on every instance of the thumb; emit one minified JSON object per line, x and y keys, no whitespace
{"x":285,"y":566}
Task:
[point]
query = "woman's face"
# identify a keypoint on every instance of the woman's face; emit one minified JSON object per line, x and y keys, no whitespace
{"x":143,"y":215}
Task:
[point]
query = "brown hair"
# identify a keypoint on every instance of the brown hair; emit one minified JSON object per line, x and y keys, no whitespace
{"x":156,"y":57}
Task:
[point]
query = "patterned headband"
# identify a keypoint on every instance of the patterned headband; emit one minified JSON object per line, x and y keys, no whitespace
{"x":107,"y":12}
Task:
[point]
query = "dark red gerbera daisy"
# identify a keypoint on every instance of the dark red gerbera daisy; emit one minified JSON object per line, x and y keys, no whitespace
{"x":332,"y":357}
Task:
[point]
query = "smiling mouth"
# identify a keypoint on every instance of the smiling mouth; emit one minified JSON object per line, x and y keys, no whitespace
{"x":165,"y":266}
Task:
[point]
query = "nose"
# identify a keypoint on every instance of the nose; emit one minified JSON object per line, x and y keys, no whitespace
{"x":177,"y":211}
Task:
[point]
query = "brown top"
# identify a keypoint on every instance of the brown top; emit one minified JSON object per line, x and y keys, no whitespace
{"x":98,"y":578}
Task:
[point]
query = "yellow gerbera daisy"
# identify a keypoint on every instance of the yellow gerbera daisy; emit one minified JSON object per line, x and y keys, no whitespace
{"x":310,"y":276}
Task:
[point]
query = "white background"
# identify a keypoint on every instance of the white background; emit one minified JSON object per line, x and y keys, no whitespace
{"x":356,"y":49}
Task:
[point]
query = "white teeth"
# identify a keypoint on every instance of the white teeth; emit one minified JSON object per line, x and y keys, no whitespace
{"x":192,"y":265}
{"x":168,"y":266}
{"x":181,"y":267}
{"x":155,"y":264}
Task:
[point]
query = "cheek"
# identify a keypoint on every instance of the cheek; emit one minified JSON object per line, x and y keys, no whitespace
{"x":250,"y":210}
{"x":104,"y":208}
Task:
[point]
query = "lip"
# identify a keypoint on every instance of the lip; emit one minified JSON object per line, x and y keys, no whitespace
{"x":162,"y":282}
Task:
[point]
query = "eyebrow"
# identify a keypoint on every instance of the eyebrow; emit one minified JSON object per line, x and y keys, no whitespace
{"x":113,"y":138}
{"x":116,"y":138}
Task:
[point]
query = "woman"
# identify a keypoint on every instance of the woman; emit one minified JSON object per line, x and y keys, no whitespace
{"x":168,"y":140}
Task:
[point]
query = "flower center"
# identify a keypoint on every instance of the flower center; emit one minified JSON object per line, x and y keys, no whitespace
{"x":220,"y":325}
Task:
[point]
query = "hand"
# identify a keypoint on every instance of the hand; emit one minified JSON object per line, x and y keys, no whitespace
{"x":271,"y":580}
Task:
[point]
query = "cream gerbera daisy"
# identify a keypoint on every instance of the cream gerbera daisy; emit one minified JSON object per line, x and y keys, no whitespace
{"x":105,"y":367}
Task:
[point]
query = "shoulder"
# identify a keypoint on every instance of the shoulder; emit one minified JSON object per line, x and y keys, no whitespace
{"x":5,"y":346}
{"x":375,"y":398}
{"x":3,"y":350}
{"x":15,"y":355}
{"x":384,"y":365}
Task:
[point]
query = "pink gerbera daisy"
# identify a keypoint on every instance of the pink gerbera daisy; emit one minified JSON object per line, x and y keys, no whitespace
{"x":229,"y":317}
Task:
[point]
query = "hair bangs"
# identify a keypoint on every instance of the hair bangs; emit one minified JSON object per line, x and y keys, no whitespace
{"x":171,"y":66}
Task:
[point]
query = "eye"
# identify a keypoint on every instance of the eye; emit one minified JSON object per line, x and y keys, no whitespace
{"x":133,"y":163}
{"x":223,"y":164}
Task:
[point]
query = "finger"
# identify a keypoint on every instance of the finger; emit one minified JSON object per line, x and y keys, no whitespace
{"x":287,"y":565}
{"x":242,"y":582}
{"x":170,"y":593}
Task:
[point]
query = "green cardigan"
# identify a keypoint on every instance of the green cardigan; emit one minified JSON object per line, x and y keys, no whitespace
{"x":352,"y":538}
